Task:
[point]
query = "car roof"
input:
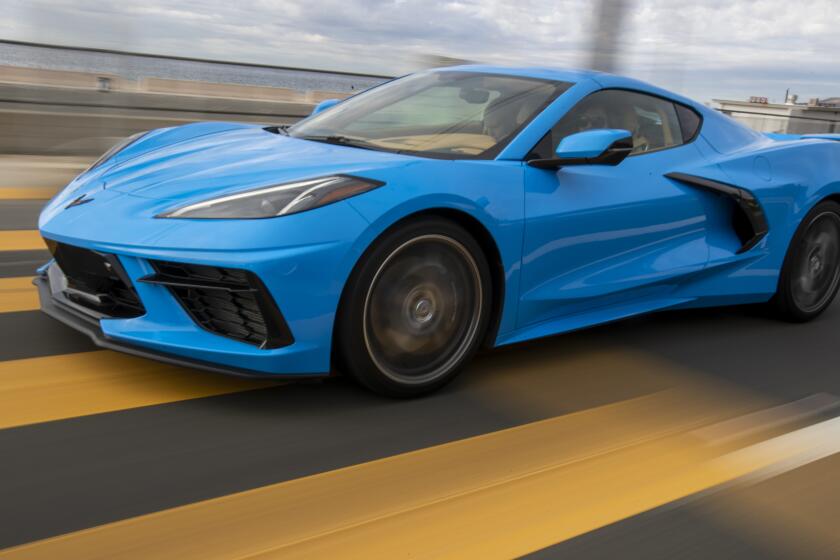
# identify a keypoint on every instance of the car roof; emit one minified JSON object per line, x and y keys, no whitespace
{"x":542,"y":72}
{"x":575,"y":76}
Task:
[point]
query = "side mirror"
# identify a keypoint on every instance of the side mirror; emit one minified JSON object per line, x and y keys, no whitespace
{"x":603,"y":146}
{"x":324,"y":105}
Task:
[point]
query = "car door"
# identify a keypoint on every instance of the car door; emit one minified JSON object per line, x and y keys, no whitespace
{"x":599,"y":236}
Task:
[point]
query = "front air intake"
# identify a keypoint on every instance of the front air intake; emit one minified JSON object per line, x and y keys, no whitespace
{"x":229,"y":302}
{"x":95,"y":282}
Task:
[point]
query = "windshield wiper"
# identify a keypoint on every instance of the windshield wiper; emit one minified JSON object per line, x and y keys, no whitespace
{"x":344,"y":141}
{"x":282,"y":129}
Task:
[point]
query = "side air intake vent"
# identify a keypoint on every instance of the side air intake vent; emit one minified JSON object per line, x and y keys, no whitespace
{"x":749,"y":223}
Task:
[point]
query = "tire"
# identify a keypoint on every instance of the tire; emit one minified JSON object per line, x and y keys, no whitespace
{"x":415,"y":308}
{"x":810,"y":274}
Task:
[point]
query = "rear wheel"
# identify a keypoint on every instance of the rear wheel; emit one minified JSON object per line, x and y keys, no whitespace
{"x":810,"y":275}
{"x":416,"y":308}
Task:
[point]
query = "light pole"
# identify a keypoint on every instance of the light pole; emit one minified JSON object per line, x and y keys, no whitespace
{"x":609,"y":16}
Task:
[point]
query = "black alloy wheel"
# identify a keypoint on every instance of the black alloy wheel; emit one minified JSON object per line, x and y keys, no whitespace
{"x":416,"y":308}
{"x":810,"y":275}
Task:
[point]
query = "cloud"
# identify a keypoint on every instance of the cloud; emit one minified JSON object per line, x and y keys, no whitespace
{"x":705,"y":48}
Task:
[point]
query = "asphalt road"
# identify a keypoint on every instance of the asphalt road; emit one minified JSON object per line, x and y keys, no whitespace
{"x":701,"y":434}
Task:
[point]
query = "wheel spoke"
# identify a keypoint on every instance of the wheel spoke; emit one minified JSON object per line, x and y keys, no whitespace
{"x":817,"y":270}
{"x":422,"y":309}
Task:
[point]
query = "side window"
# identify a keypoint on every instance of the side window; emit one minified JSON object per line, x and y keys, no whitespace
{"x":653,"y":121}
{"x":689,"y":122}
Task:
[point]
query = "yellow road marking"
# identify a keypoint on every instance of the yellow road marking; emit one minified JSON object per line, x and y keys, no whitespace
{"x":498,"y":495}
{"x":57,"y":387}
{"x":27,"y":193}
{"x":514,"y":518}
{"x":17,"y":294}
{"x":22,"y":240}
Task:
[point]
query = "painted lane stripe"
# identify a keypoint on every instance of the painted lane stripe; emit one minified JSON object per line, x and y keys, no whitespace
{"x":218,"y":446}
{"x":21,"y":240}
{"x":18,"y":294}
{"x":57,"y":387}
{"x":498,"y":495}
{"x":802,"y":410}
{"x":794,"y":515}
{"x":27,"y":193}
{"x":784,"y":453}
{"x":515,"y":518}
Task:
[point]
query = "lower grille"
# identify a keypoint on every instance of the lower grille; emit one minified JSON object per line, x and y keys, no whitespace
{"x":96,"y":281}
{"x":226,"y":301}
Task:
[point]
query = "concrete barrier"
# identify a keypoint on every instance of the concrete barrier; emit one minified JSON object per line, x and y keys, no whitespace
{"x":232,"y":91}
{"x":56,"y":112}
{"x":38,"y":174}
{"x":61,"y":78}
{"x":39,"y":120}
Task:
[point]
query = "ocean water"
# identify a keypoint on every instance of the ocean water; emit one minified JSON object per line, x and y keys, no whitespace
{"x":134,"y":67}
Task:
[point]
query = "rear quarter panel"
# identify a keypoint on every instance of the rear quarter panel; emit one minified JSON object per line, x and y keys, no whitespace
{"x":789,"y":178}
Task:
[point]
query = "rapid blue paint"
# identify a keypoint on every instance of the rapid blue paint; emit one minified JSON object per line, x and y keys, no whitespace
{"x":595,"y":233}
{"x":579,"y":246}
{"x":590,"y":143}
{"x":324,"y":105}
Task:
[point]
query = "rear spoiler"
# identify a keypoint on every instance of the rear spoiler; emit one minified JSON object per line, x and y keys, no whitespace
{"x":824,"y":136}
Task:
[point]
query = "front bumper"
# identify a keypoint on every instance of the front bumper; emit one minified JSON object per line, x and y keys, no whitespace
{"x":164,"y":328}
{"x":303,"y":260}
{"x":86,"y":324}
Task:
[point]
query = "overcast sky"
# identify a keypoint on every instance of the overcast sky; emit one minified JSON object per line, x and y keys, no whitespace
{"x":703,"y":48}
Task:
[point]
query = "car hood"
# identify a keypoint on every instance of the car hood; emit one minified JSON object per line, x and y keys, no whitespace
{"x":196,"y":162}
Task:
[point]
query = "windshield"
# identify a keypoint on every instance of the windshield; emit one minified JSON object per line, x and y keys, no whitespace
{"x":439,"y":114}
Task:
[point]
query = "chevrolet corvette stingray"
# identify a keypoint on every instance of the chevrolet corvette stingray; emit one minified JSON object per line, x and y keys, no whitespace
{"x":392,"y":234}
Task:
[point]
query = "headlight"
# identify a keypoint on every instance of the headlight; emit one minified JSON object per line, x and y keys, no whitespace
{"x":115,"y":149}
{"x":277,"y":200}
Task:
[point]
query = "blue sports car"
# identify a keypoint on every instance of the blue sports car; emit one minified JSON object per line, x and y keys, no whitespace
{"x":392,"y":234}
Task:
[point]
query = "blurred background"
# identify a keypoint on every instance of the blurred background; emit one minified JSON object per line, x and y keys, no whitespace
{"x":701,"y":434}
{"x":75,"y":75}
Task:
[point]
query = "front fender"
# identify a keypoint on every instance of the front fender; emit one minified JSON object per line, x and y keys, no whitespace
{"x":489,"y":192}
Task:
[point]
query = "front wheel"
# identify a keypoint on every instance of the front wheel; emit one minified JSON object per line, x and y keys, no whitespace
{"x":810,"y":275}
{"x":415,"y":308}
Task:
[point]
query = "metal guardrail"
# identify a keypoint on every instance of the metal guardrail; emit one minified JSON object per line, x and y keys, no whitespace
{"x":190,"y":59}
{"x":57,"y":121}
